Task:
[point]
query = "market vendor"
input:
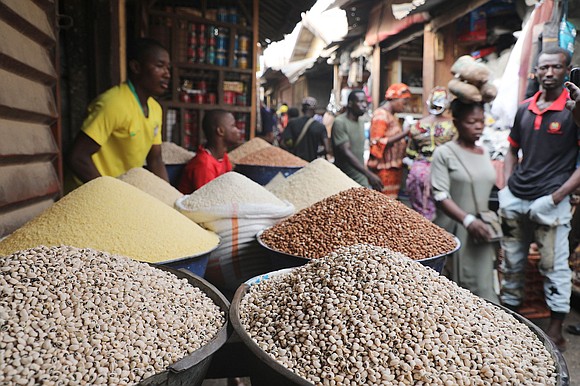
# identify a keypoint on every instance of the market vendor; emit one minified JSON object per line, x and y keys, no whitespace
{"x":211,"y":160}
{"x":123,"y":127}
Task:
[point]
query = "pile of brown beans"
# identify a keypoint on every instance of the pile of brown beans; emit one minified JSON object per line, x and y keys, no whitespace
{"x":354,"y":216}
{"x":365,"y":315}
{"x":272,"y":156}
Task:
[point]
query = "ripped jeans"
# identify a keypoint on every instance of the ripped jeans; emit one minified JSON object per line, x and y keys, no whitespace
{"x":547,"y":224}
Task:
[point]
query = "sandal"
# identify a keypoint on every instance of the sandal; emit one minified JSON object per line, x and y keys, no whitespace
{"x":573,"y":329}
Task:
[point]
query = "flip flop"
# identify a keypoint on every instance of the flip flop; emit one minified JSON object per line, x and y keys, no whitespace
{"x":573,"y":329}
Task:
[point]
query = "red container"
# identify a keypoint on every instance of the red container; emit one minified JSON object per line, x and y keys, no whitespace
{"x":202,"y":86}
{"x":229,"y":97}
{"x":201,"y":54}
{"x":198,"y":98}
{"x":210,"y":98}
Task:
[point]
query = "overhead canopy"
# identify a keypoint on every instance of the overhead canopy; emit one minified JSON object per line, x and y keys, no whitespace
{"x":279,"y":17}
{"x":383,"y":24}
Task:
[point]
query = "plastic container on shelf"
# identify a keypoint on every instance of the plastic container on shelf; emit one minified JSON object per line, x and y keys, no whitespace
{"x":242,"y":61}
{"x":222,"y":14}
{"x":229,"y":97}
{"x":244,"y":44}
{"x":233,"y":15}
{"x":220,"y":58}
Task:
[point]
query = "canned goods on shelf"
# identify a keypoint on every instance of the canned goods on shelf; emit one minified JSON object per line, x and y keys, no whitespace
{"x":243,"y":62}
{"x":202,"y":86}
{"x":229,"y":97}
{"x":222,"y":41}
{"x":244,"y":43}
{"x":222,"y":14}
{"x":220,"y":59}
{"x":201,"y":54}
{"x":210,"y":57}
{"x":241,"y":100}
{"x":233,"y":15}
{"x":191,"y":54}
{"x":198,"y":99}
{"x":210,"y":98}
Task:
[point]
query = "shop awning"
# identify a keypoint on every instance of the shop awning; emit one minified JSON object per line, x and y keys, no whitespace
{"x":279,"y":17}
{"x":383,"y":24}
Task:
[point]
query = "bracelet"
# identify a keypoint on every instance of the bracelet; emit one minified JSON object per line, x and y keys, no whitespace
{"x":468,"y":219}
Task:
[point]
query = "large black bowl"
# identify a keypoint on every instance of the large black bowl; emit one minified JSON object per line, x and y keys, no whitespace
{"x":268,"y":371}
{"x":282,"y":260}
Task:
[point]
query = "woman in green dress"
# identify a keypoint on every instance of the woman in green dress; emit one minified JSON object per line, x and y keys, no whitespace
{"x":462,"y":177}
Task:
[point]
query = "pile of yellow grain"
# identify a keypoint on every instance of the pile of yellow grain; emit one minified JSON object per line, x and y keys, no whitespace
{"x":148,"y":182}
{"x":252,"y":146}
{"x":112,"y":216}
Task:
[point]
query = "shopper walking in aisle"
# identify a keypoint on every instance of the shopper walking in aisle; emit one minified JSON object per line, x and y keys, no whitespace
{"x":462,"y":177}
{"x":348,"y":139}
{"x":535,"y":205}
{"x":429,"y":132}
{"x":305,"y":137}
{"x":387,"y":139}
{"x":211,"y":160}
{"x":123,"y":128}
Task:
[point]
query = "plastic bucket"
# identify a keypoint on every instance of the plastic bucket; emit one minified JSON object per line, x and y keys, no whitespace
{"x":267,"y":371}
{"x":174,"y":173}
{"x":191,"y":370}
{"x":264,"y":174}
{"x":282,"y":260}
{"x":195,"y":264}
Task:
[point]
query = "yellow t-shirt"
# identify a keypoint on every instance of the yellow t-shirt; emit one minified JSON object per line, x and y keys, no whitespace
{"x":117,"y":123}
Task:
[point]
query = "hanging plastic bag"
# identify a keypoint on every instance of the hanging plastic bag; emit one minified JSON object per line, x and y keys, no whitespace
{"x":567,"y":34}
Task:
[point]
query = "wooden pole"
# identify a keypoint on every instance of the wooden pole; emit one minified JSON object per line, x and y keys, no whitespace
{"x":255,"y":25}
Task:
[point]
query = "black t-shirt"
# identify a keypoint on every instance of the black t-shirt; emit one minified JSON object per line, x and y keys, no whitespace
{"x":549,"y":141}
{"x":312,"y":145}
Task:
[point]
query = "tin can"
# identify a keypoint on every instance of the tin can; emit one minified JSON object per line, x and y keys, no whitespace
{"x":229,"y":97}
{"x":184,"y":97}
{"x":222,"y":41}
{"x":210,"y":98}
{"x":244,"y":43}
{"x":210,"y":57}
{"x":241,"y":125}
{"x":202,"y":86}
{"x":200,"y":54}
{"x":220,"y":59}
{"x":201,"y":40}
{"x":222,"y":14}
{"x":191,"y":54}
{"x":198,"y":99}
{"x":241,"y":99}
{"x":243,"y":62}
{"x":233,"y":15}
{"x":211,"y":36}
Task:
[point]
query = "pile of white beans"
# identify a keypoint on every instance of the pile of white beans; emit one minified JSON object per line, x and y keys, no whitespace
{"x":73,"y":316}
{"x":365,"y":315}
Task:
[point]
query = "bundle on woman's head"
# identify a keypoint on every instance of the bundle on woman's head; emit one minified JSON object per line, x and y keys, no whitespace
{"x":472,"y":81}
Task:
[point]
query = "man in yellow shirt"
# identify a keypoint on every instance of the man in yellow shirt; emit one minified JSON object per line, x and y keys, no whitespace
{"x":123,"y":126}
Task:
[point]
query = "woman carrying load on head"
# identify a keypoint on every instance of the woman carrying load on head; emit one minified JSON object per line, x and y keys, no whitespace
{"x":429,"y":132}
{"x":462,"y":177}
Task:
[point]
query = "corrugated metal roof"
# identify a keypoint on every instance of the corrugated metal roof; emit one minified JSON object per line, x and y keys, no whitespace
{"x":279,"y":17}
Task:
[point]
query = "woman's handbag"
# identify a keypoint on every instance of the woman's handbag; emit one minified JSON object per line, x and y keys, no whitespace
{"x":489,"y":217}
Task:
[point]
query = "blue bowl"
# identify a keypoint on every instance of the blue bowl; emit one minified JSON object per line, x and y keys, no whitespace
{"x":174,"y":173}
{"x":264,"y":174}
{"x":195,"y":264}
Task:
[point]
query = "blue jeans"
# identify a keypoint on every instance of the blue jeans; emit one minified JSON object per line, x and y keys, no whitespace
{"x":523,"y":222}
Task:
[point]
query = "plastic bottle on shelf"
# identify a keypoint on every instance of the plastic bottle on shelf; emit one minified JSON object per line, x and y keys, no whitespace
{"x":233,"y":15}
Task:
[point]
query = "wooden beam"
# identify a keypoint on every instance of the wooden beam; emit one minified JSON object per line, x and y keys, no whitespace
{"x":428,"y":63}
{"x":255,"y":30}
{"x":376,"y":70}
{"x":455,"y":13}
